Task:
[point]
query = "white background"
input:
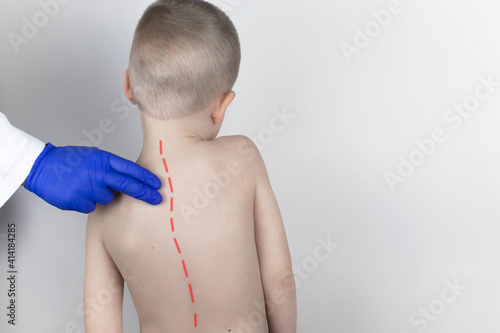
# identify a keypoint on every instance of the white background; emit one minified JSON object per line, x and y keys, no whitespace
{"x":353,"y":122}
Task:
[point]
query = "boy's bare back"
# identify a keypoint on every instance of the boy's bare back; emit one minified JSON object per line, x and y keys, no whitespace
{"x":213,"y":257}
{"x":205,"y":259}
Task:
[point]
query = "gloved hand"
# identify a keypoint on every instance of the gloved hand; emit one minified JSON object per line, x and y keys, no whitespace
{"x":76,"y":178}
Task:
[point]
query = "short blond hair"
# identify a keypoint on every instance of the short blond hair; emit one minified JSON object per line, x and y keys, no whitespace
{"x":185,"y":54}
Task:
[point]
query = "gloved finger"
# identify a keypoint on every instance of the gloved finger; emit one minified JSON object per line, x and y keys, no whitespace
{"x":85,"y":207}
{"x":103,"y":196}
{"x":133,"y":188}
{"x":134,"y":170}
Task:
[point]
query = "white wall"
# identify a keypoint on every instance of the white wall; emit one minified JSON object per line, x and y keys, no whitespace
{"x":399,"y":250}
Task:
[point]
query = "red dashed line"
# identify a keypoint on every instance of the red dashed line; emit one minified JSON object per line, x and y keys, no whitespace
{"x":177,"y":245}
{"x":175,"y":239}
{"x":185,"y":270}
{"x":191,"y":292}
{"x":170,"y":183}
{"x":165,"y":164}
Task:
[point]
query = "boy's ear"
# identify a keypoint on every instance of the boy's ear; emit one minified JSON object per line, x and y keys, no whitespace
{"x":220,"y":108}
{"x":126,"y":88}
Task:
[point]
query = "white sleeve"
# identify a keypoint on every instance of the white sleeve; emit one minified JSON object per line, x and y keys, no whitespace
{"x":18,"y":152}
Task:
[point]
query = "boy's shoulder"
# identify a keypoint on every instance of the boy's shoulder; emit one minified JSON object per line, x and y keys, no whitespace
{"x":238,"y":147}
{"x":236,"y":152}
{"x":232,"y":140}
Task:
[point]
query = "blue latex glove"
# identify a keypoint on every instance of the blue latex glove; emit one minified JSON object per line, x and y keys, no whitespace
{"x":76,"y":178}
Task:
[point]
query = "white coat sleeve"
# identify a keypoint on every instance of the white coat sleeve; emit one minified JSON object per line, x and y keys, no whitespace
{"x":18,"y":152}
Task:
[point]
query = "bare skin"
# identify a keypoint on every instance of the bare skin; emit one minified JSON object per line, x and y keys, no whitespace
{"x":226,"y":225}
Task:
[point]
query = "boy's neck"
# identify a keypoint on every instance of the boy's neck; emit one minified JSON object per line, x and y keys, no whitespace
{"x":175,"y":134}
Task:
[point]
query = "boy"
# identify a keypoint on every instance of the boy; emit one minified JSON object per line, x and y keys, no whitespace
{"x":213,"y":257}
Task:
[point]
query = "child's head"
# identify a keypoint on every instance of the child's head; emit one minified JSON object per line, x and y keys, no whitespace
{"x":185,"y":55}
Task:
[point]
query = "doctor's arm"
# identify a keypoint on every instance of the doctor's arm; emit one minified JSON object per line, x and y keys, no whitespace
{"x":18,"y":152}
{"x":69,"y":178}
